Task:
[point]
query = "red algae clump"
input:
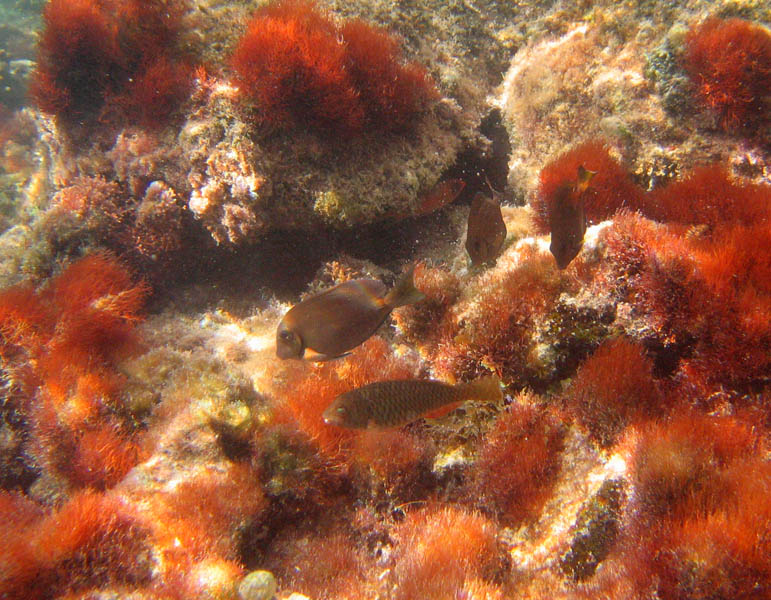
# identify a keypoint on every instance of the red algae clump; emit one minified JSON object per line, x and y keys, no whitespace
{"x":729,"y":62}
{"x":518,"y":462}
{"x":79,"y":59}
{"x":442,"y":551}
{"x":613,"y":388}
{"x":706,"y":297}
{"x":495,"y":333}
{"x":709,"y":196}
{"x":699,"y":522}
{"x":92,"y":54}
{"x":301,"y":69}
{"x":92,"y":540}
{"x":63,"y":345}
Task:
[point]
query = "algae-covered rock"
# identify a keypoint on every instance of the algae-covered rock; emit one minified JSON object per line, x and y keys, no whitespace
{"x":595,"y":531}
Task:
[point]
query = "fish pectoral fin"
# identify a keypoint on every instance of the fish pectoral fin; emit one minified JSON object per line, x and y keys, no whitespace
{"x":313,"y":356}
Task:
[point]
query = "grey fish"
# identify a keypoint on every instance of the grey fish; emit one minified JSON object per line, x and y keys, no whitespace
{"x":567,"y":220}
{"x":486,"y":229}
{"x":393,"y":403}
{"x":335,"y":321}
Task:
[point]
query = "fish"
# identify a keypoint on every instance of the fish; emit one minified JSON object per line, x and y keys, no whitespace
{"x":386,"y":404}
{"x":443,"y":193}
{"x":567,"y":219}
{"x":337,"y":320}
{"x":486,"y":230}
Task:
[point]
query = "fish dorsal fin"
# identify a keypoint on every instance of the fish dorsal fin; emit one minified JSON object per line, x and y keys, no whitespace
{"x":584,"y":177}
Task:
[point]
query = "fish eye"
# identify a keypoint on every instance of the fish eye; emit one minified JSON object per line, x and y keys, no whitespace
{"x":286,"y":335}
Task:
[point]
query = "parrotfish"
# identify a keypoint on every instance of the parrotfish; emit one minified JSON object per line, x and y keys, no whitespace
{"x":335,"y":321}
{"x":567,"y":219}
{"x":393,"y":403}
{"x":486,"y":229}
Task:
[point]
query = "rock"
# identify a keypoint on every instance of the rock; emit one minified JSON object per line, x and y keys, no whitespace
{"x":257,"y":585}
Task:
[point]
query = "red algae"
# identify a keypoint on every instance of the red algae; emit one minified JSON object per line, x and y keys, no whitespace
{"x":201,"y":516}
{"x":66,"y":347}
{"x":699,"y":524}
{"x":102,"y":457}
{"x":497,"y":333}
{"x":680,"y":466}
{"x":709,"y":196}
{"x":399,"y":461}
{"x":92,"y":53}
{"x":441,"y":551}
{"x":613,"y":388}
{"x":392,"y":93}
{"x":302,"y":70}
{"x":518,"y":462}
{"x":90,"y":541}
{"x":327,"y":564}
{"x":729,"y":62}
{"x":706,"y":299}
{"x":610,"y":190}
{"x":418,"y":322}
{"x":157,"y":92}
{"x":79,"y":58}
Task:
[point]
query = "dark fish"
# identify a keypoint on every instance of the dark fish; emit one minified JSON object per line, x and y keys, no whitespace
{"x":392,"y":403}
{"x":567,"y":220}
{"x":341,"y":318}
{"x":442,"y":194}
{"x":486,"y":229}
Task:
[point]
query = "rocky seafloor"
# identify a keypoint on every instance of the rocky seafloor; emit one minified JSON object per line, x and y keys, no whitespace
{"x":176,"y":175}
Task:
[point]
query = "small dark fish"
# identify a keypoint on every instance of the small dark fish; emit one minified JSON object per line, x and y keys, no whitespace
{"x":486,"y":229}
{"x":393,"y":403}
{"x":567,"y":220}
{"x":335,"y":321}
{"x":442,"y":194}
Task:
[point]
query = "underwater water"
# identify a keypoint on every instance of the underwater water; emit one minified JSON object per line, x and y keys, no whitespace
{"x":464,"y":300}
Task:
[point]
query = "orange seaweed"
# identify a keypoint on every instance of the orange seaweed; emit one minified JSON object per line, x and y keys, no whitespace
{"x":613,"y":388}
{"x":302,"y":70}
{"x":518,"y":462}
{"x":729,"y":62}
{"x":65,"y":342}
{"x":92,"y":540}
{"x":441,"y":550}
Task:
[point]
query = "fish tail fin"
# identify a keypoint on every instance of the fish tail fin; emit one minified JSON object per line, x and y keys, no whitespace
{"x":486,"y":388}
{"x":404,"y":292}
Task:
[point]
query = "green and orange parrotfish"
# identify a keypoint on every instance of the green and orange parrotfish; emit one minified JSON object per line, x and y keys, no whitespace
{"x":333,"y":322}
{"x":567,"y":220}
{"x":385,"y":404}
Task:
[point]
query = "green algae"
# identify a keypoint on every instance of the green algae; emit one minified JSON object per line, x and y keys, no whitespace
{"x":663,"y":67}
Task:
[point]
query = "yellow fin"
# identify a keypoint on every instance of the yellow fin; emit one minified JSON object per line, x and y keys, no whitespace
{"x":584,"y":177}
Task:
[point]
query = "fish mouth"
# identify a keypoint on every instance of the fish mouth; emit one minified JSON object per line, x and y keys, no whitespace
{"x":330,"y":416}
{"x":283,"y":352}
